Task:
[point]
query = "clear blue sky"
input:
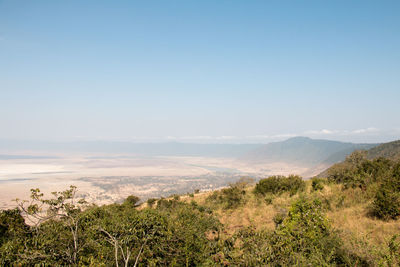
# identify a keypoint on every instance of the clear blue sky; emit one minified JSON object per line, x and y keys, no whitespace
{"x":200,"y":71}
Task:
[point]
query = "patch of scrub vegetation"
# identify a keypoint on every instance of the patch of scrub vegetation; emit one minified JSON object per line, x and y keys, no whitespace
{"x":349,"y":218}
{"x":280,"y":184}
{"x":230,"y":197}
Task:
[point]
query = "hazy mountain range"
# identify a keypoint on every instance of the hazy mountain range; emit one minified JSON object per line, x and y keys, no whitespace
{"x":302,"y":151}
{"x":138,"y":149}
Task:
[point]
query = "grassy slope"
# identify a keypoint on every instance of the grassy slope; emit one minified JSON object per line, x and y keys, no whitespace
{"x":346,"y":209}
{"x":388,"y":150}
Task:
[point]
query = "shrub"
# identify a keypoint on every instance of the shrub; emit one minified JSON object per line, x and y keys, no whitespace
{"x":303,"y":237}
{"x":393,"y":257}
{"x":151,"y":201}
{"x":278,"y":218}
{"x":131,"y":200}
{"x":166,"y":203}
{"x":359,"y":172}
{"x":317,"y":184}
{"x":279,"y":184}
{"x":268,"y":199}
{"x":386,"y":204}
{"x":231,"y":197}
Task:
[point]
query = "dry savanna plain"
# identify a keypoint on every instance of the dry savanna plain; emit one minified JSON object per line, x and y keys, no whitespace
{"x":108,"y":178}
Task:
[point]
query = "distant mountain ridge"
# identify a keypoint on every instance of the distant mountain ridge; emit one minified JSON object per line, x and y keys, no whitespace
{"x":304,"y":151}
{"x":139,"y":149}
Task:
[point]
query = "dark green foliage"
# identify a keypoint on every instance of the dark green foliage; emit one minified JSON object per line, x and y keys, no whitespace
{"x":305,"y":236}
{"x":386,"y":204}
{"x":13,"y":235}
{"x":380,"y":178}
{"x":317,"y":184}
{"x":151,"y":201}
{"x":393,"y":257}
{"x":278,"y":218}
{"x":231,"y":197}
{"x":190,"y":226}
{"x":11,"y":224}
{"x":302,"y":238}
{"x":279,"y":184}
{"x":131,"y":200}
{"x":358,"y":171}
{"x":175,"y":233}
{"x":167,"y":203}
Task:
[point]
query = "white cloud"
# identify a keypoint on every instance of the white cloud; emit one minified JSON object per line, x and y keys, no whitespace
{"x":285,"y":135}
{"x":365,"y":131}
{"x":200,"y":137}
{"x":320,"y":132}
{"x":226,"y":137}
{"x":258,"y":137}
{"x":354,"y":134}
{"x":370,"y":130}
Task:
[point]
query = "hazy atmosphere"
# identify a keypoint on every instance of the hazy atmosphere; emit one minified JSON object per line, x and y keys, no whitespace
{"x":199,"y":72}
{"x":200,"y":133}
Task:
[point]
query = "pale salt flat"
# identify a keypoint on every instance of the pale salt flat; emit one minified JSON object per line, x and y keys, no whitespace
{"x":105,"y":179}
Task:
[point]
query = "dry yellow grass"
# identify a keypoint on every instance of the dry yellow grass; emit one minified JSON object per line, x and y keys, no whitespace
{"x":348,"y":213}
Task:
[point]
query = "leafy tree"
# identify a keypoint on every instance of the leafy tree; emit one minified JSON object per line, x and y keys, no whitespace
{"x":56,"y":215}
{"x":131,"y":233}
{"x":13,"y":236}
{"x":131,"y":200}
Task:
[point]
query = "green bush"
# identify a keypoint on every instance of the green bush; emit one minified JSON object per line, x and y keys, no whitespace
{"x":231,"y":197}
{"x":279,"y":184}
{"x":303,"y":237}
{"x":317,"y":184}
{"x":131,"y":200}
{"x":278,"y":218}
{"x":386,"y":204}
{"x":268,"y":199}
{"x":393,"y":257}
{"x":359,"y":172}
{"x":151,"y":202}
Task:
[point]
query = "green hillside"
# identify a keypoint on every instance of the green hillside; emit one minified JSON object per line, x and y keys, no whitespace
{"x":387,"y":150}
{"x":304,"y":151}
{"x":390,"y":150}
